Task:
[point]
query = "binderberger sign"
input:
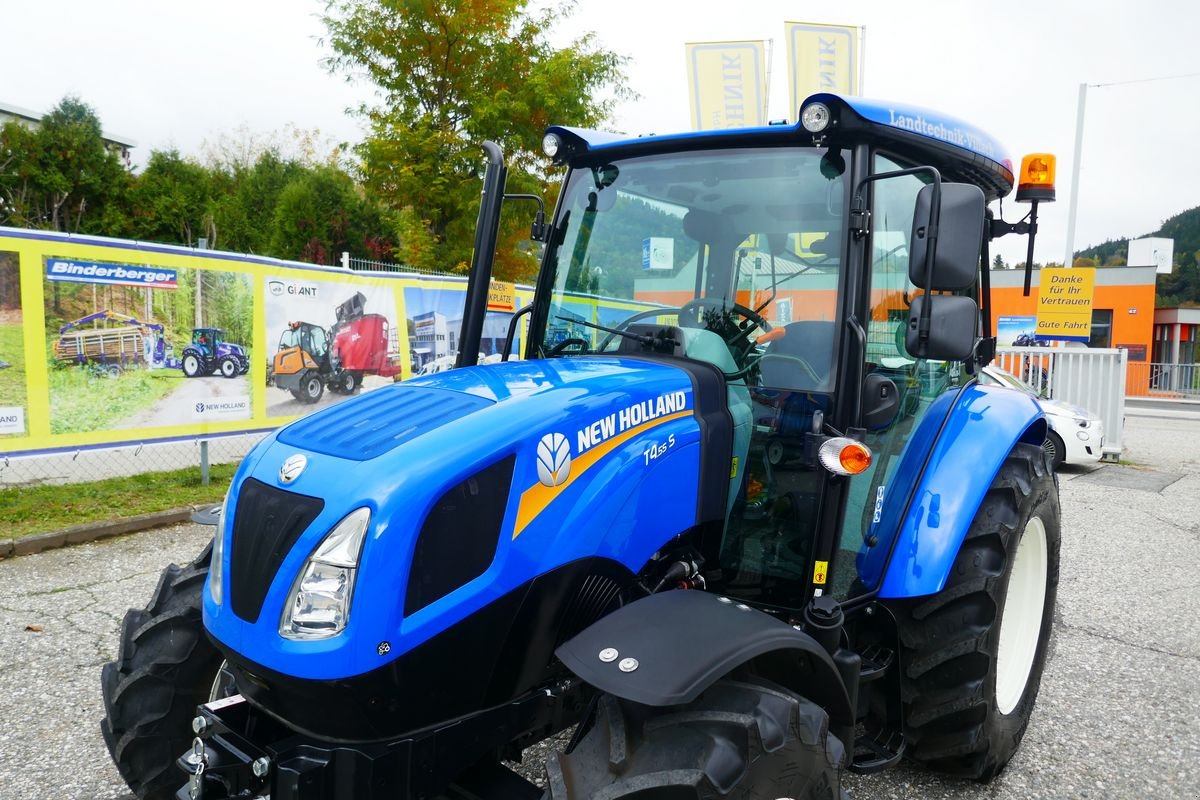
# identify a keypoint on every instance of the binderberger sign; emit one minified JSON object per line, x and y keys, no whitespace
{"x":1065,"y":304}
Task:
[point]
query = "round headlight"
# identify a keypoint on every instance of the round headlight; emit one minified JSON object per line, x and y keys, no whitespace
{"x":815,"y":117}
{"x":550,"y":144}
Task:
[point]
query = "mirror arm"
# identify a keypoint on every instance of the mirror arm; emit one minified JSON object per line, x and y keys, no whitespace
{"x":1027,"y":226}
{"x":859,"y":225}
{"x":512,"y":330}
{"x":539,"y":231}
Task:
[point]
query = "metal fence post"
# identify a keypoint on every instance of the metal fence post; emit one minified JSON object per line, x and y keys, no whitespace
{"x":204,"y":462}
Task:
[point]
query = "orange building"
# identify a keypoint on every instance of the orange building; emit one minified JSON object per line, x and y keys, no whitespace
{"x":1122,"y":309}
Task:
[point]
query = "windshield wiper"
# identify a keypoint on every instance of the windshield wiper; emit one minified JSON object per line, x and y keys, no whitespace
{"x":644,"y":339}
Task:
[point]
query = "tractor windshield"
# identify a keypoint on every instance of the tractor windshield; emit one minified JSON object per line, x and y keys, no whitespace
{"x":736,"y":242}
{"x":733,"y":257}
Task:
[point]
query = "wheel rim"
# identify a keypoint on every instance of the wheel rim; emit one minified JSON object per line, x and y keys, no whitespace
{"x":229,"y":368}
{"x":191,"y":364}
{"x":1021,"y":623}
{"x":1051,"y":449}
{"x":314,"y":388}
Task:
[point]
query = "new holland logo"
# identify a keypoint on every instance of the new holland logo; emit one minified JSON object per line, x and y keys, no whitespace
{"x":553,"y":459}
{"x":292,"y":468}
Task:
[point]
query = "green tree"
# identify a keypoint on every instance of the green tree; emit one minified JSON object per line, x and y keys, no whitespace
{"x":246,"y":196}
{"x":172,"y":200}
{"x":998,"y":262}
{"x":62,"y":175}
{"x":321,"y":213}
{"x":452,"y":73}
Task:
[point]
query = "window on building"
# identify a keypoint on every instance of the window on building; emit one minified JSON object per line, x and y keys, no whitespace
{"x":1101,"y":328}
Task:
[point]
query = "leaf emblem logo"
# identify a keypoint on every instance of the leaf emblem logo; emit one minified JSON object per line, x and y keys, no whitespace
{"x":553,"y":459}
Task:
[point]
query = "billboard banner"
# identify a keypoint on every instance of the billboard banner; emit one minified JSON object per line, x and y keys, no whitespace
{"x":106,"y":342}
{"x":821,"y":58}
{"x":727,"y":84}
{"x":143,"y":343}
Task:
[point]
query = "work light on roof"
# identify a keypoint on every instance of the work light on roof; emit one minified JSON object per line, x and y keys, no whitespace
{"x":815,"y":117}
{"x":550,"y":144}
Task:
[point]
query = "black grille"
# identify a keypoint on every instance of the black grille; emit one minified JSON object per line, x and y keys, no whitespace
{"x":597,"y":596}
{"x":266,"y":524}
{"x":459,"y":537}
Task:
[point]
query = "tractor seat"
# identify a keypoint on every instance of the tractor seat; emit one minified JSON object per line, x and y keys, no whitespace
{"x":810,"y":340}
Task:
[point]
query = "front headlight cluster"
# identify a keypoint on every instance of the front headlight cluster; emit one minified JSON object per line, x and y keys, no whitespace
{"x":319,"y":604}
{"x":216,"y":570}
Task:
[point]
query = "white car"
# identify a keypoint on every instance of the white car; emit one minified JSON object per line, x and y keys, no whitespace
{"x":1076,"y":435}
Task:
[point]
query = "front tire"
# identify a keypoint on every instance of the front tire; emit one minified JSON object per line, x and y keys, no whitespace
{"x":165,"y":668}
{"x":311,"y":387}
{"x":737,"y":740}
{"x":229,"y":367}
{"x":973,"y":654}
{"x":192,"y":367}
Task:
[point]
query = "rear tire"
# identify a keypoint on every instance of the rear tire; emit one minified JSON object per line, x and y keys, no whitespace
{"x":165,"y":668}
{"x":973,"y":654}
{"x":737,"y":740}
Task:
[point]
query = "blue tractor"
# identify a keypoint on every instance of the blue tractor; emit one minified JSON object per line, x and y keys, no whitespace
{"x":750,"y":523}
{"x":209,"y":353}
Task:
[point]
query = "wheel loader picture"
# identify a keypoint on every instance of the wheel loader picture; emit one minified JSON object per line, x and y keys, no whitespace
{"x":765,"y":528}
{"x":311,"y":358}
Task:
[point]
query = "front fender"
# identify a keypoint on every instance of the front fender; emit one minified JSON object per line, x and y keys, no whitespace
{"x":981,"y":428}
{"x":682,"y":642}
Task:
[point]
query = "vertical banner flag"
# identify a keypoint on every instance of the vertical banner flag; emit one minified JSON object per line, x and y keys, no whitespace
{"x":727,"y":84}
{"x":821,"y":58}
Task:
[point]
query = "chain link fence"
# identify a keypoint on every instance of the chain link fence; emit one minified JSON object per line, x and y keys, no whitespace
{"x":95,"y":464}
{"x":367,"y":265}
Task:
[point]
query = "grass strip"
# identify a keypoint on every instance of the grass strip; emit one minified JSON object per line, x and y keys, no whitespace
{"x":29,"y":509}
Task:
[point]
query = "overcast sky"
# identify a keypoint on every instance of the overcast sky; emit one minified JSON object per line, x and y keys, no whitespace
{"x":175,"y":74}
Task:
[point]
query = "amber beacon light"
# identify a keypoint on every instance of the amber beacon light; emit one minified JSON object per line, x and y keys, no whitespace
{"x":1037,"y":178}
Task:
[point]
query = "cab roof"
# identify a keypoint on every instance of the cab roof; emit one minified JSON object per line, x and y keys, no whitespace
{"x":959,"y":150}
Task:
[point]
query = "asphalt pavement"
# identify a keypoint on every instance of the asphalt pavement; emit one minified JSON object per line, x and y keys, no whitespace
{"x":1117,"y":715}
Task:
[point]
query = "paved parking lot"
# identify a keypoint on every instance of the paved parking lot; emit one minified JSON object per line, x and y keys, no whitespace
{"x":1117,"y":716}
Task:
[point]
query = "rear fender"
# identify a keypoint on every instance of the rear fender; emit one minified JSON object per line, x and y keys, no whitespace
{"x":981,"y":428}
{"x":667,"y":648}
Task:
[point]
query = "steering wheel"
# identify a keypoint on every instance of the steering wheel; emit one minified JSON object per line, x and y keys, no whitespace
{"x":748,"y":313}
{"x":699,"y":302}
{"x":573,"y":341}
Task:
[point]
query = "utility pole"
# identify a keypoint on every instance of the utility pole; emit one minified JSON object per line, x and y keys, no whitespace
{"x":1073,"y":205}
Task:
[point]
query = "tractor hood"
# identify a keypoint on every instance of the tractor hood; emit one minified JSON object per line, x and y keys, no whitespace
{"x":477,"y":481}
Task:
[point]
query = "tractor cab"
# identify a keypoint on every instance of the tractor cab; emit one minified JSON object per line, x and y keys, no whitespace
{"x":207,"y":340}
{"x":310,"y":338}
{"x":792,"y":261}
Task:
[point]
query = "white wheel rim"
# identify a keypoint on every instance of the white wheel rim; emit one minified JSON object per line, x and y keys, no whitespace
{"x":1021,"y":623}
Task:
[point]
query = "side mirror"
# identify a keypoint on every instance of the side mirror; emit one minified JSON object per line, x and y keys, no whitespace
{"x":881,"y":401}
{"x":959,"y":237}
{"x":953,"y":327}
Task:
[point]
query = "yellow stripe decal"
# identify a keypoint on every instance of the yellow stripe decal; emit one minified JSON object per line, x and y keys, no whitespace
{"x":535,"y":499}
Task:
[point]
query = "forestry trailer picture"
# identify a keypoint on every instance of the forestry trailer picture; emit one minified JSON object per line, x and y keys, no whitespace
{"x":753,"y":523}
